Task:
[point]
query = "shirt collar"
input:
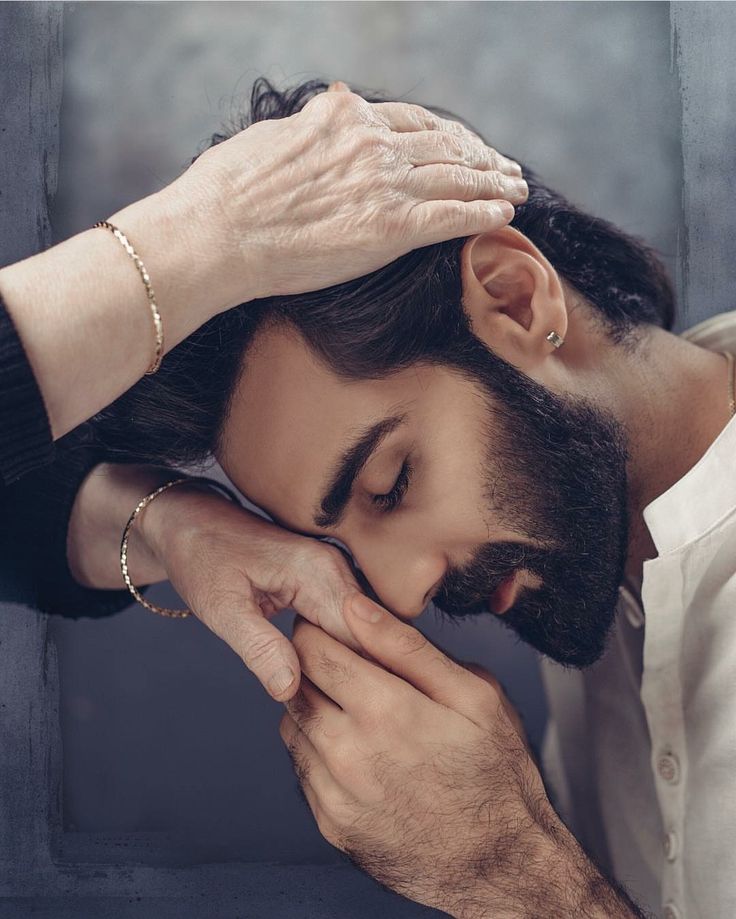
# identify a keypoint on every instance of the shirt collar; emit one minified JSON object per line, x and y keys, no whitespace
{"x":707,"y":492}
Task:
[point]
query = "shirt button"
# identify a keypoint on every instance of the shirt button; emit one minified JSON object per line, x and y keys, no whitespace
{"x":671,"y":846}
{"x":671,"y":911}
{"x":668,"y":766}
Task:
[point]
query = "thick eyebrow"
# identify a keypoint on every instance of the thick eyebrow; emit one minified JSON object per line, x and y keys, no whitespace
{"x":348,"y":468}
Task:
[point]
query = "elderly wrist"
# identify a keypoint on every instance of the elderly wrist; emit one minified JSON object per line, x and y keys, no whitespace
{"x":184,"y":255}
{"x":174,"y":522}
{"x":169,"y":518}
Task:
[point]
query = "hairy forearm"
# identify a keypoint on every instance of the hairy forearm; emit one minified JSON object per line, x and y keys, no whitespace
{"x":545,"y":873}
{"x":82,"y":313}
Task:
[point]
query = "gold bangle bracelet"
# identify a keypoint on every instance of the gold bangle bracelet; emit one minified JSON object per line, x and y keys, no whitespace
{"x":158,"y":325}
{"x":142,"y":504}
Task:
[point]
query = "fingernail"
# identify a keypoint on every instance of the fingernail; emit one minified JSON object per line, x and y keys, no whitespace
{"x":280,"y":681}
{"x":365,"y":609}
{"x":520,"y":186}
{"x":506,"y":208}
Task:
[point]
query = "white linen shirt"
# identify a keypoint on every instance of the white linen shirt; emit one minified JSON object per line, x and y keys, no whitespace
{"x":640,"y":749}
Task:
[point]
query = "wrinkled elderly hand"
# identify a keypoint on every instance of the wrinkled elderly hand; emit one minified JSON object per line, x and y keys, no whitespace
{"x":412,"y":766}
{"x":236,"y":570}
{"x":338,"y":190}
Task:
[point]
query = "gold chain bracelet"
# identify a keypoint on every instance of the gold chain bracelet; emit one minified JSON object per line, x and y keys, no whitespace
{"x":142,"y":504}
{"x":158,"y":325}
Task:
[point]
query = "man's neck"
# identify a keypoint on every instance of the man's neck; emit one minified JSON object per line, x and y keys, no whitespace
{"x":673,"y":400}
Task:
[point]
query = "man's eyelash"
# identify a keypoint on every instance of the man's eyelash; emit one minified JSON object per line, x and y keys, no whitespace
{"x":392,"y":499}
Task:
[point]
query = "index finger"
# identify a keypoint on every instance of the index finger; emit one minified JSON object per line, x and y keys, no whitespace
{"x":406,"y":116}
{"x":339,"y":672}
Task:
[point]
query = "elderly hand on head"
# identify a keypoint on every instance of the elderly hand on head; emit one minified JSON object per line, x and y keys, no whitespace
{"x":339,"y":189}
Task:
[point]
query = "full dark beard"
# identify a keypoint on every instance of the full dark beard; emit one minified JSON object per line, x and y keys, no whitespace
{"x":556,"y":475}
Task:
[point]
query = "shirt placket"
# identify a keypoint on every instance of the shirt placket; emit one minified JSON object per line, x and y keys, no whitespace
{"x":662,"y":699}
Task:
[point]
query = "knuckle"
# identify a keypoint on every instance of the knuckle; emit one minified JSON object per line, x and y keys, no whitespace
{"x":458,"y":175}
{"x":490,"y":700}
{"x":379,"y":711}
{"x":260,"y":649}
{"x":327,"y":828}
{"x":454,"y":215}
{"x":342,"y":760}
{"x":302,"y":712}
{"x":455,"y":147}
{"x":422,"y":116}
{"x":453,"y":127}
{"x":300,"y":766}
{"x":379,"y":144}
{"x":334,"y":804}
{"x":217,"y":605}
{"x":495,"y":159}
{"x":493,"y":184}
{"x":410,"y":641}
{"x":336,"y":671}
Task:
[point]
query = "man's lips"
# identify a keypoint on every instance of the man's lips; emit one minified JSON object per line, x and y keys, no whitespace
{"x":504,"y":596}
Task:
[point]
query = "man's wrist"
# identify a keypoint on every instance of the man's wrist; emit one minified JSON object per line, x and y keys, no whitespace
{"x":547,"y":874}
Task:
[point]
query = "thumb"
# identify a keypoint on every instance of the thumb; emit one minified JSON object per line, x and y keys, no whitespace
{"x":268,"y":654}
{"x":338,"y":87}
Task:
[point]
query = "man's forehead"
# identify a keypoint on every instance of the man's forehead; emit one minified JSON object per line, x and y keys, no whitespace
{"x":290,"y":416}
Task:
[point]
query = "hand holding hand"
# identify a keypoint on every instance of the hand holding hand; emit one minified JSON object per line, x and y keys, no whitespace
{"x":236,"y":570}
{"x":415,"y":770}
{"x":413,"y":766}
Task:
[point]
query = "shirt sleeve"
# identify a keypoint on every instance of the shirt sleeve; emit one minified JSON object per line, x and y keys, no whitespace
{"x":35,"y":512}
{"x":26,"y":442}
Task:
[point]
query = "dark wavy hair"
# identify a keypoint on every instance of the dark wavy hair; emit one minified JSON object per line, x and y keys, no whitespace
{"x":409,"y":311}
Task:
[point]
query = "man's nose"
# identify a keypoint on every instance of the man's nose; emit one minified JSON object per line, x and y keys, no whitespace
{"x":404,"y":579}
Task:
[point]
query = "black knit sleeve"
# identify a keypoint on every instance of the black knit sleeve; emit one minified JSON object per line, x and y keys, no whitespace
{"x":34,"y":514}
{"x":25,"y":434}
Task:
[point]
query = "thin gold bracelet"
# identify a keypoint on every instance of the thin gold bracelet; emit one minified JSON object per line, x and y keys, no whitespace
{"x":142,"y":504}
{"x":158,"y":325}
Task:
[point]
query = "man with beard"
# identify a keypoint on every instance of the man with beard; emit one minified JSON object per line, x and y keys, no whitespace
{"x":476,"y":423}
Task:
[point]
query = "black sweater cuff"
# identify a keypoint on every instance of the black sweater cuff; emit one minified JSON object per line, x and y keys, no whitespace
{"x":33,"y":540}
{"x":26,"y":442}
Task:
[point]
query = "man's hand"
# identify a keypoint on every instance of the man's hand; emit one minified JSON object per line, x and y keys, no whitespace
{"x":412,"y":765}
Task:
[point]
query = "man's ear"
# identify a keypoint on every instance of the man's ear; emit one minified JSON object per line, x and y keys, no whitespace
{"x":512,"y":296}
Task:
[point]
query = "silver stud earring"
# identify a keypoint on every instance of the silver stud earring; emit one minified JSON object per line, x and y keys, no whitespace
{"x":554,"y":339}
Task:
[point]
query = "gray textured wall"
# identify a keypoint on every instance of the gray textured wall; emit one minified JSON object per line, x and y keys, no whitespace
{"x":163,"y":728}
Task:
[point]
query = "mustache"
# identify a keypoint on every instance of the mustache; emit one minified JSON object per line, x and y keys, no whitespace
{"x":466,"y":591}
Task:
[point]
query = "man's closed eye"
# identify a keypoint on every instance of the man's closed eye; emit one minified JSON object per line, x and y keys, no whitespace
{"x":392,"y":499}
